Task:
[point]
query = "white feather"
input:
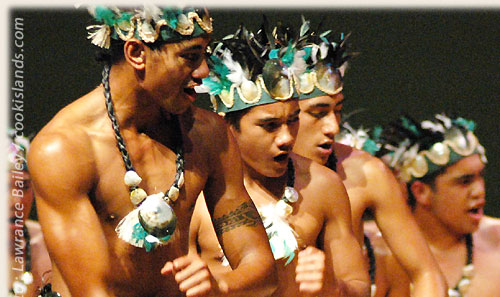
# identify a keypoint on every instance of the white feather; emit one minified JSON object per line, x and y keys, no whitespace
{"x":236,"y":75}
{"x":125,"y":228}
{"x":299,"y":65}
{"x":279,"y":232}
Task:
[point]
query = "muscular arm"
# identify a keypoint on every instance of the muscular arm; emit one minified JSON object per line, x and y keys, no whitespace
{"x":62,"y":172}
{"x":401,"y":232}
{"x":341,"y":248}
{"x":236,"y":220}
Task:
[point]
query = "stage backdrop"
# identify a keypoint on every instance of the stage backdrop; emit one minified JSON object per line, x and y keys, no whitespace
{"x":419,"y":62}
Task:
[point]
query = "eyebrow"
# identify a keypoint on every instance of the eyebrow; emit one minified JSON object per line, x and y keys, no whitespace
{"x":195,"y":47}
{"x":296,"y":113}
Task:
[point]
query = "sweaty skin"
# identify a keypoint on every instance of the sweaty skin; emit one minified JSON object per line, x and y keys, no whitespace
{"x":445,"y":214}
{"x":78,"y":177}
{"x":370,"y":186}
{"x":321,"y":216}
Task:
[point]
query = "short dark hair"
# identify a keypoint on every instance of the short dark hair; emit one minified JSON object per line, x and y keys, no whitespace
{"x":429,"y":179}
{"x":233,"y":118}
{"x":115,"y":51}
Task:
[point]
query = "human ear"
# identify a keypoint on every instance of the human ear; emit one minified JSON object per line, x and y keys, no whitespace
{"x":135,"y":53}
{"x":422,"y":192}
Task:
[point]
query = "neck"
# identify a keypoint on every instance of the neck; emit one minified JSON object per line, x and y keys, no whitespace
{"x":134,"y":107}
{"x":273,"y":186}
{"x":435,"y":232}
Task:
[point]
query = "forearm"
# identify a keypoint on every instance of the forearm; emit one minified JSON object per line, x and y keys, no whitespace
{"x":351,"y":288}
{"x":429,"y":284}
{"x":249,"y":280}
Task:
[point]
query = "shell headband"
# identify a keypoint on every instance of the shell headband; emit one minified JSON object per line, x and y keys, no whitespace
{"x":248,"y":69}
{"x":360,"y":138}
{"x":326,"y":63}
{"x":418,"y":149}
{"x":148,"y":24}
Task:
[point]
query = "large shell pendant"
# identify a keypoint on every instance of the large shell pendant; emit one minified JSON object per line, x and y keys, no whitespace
{"x":149,"y":225}
{"x":157,"y":217}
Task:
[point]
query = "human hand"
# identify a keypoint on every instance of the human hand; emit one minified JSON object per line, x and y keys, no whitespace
{"x":192,"y":275}
{"x":310,"y":270}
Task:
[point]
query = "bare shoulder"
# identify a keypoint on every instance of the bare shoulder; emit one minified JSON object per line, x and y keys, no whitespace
{"x":324,"y":187}
{"x":316,"y":174}
{"x":64,"y":145}
{"x":208,"y":123}
{"x":354,"y":159}
{"x":489,"y":230}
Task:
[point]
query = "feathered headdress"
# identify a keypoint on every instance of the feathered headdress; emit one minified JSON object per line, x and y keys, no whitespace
{"x":249,"y":69}
{"x":415,"y":149}
{"x":327,"y":61}
{"x":148,"y":24}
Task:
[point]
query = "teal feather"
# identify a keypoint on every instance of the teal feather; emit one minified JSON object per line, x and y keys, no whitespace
{"x":105,"y":15}
{"x":288,"y":56}
{"x":469,"y":125}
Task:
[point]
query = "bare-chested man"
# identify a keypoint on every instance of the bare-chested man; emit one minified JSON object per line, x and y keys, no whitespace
{"x":442,"y":164}
{"x":29,"y":260}
{"x":118,"y":171}
{"x":304,"y":205}
{"x":369,"y":183}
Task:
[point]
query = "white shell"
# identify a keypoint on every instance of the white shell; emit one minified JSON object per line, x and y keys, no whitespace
{"x":419,"y":166}
{"x":19,"y":288}
{"x":439,"y":153}
{"x":291,"y":195}
{"x":27,"y":278}
{"x":373,"y":289}
{"x":249,"y":90}
{"x":453,"y":293}
{"x":148,"y":32}
{"x":464,"y":285}
{"x":137,"y":196}
{"x":283,"y":209}
{"x":181,"y":180}
{"x":468,"y":271}
{"x":173,"y":193}
{"x":155,"y":211}
{"x":132,"y":179}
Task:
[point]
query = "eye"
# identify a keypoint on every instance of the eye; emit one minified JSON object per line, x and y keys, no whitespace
{"x":193,"y":57}
{"x":318,"y":114}
{"x":293,"y":120}
{"x":270,"y":126}
{"x":466,"y":180}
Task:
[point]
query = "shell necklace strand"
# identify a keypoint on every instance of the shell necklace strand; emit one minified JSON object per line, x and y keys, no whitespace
{"x":282,"y":238}
{"x":153,"y":220}
{"x":467,"y":271}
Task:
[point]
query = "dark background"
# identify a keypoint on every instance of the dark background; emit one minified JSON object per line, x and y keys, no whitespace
{"x":418,"y":61}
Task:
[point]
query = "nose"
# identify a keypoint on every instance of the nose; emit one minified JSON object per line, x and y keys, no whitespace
{"x":330,"y":125}
{"x":202,"y":70}
{"x":478,"y":189}
{"x":285,"y":139}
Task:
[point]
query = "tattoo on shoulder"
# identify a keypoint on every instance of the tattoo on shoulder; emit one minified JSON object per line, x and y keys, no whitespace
{"x":243,"y":215}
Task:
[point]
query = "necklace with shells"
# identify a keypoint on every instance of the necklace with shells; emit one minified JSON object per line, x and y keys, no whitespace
{"x":284,"y":241}
{"x":153,"y":220}
{"x":290,"y":195}
{"x":467,"y":271}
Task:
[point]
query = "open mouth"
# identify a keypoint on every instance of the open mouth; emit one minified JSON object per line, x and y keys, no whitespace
{"x":474,"y":210}
{"x":281,"y":157}
{"x":325,"y":146}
